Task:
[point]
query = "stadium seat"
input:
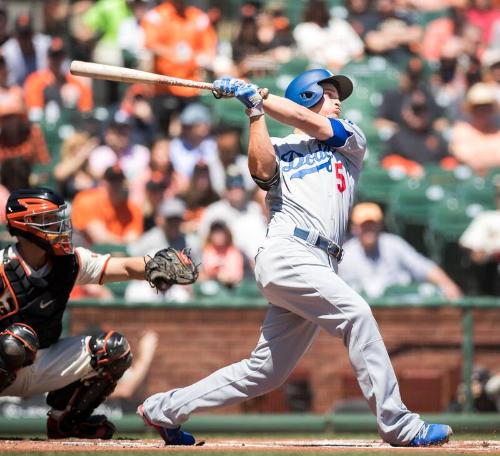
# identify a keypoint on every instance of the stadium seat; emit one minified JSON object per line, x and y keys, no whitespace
{"x":247,"y":289}
{"x":294,"y":67}
{"x":447,"y":221}
{"x":409,"y":205}
{"x":376,"y":184}
{"x":412,"y":291}
{"x":477,"y":191}
{"x":113,"y":249}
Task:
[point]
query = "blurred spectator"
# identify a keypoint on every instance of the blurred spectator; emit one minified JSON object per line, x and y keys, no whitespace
{"x":410,"y":80}
{"x":249,"y":51}
{"x":102,"y":22}
{"x":361,"y":16}
{"x":327,"y":42}
{"x":183,"y":42}
{"x":7,"y":89}
{"x":26,"y":51}
{"x":482,"y":402}
{"x":481,"y":14}
{"x":119,"y":149}
{"x":105,"y":215}
{"x":441,"y":31}
{"x":56,"y":84}
{"x":229,"y":155}
{"x":476,"y":142}
{"x":492,"y":389}
{"x":194,"y":143}
{"x":491,"y":65}
{"x":155,"y":190}
{"x":104,"y":18}
{"x":482,"y":240}
{"x":264,"y":40}
{"x":144,"y":127}
{"x":374,"y":261}
{"x":198,"y":196}
{"x":4,"y":22}
{"x":244,"y":217}
{"x":18,"y":137}
{"x":167,"y":232}
{"x":71,"y":172}
{"x":395,"y":36}
{"x":160,"y":171}
{"x":131,"y":37}
{"x":221,"y":260}
{"x":14,"y":174}
{"x":415,"y":144}
{"x":449,"y":82}
{"x":56,"y":17}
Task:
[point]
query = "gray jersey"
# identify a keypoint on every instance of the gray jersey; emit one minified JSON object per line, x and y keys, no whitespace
{"x":317,"y":182}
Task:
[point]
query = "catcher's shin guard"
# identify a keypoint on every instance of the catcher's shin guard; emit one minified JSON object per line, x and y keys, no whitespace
{"x":73,"y":405}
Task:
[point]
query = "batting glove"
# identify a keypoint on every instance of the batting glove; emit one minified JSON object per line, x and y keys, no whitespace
{"x":249,"y":95}
{"x":227,"y":86}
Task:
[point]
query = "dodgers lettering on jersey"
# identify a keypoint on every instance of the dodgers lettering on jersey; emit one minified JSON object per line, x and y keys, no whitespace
{"x":317,"y":182}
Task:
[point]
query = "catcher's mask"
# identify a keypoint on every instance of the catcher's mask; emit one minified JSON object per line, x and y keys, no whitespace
{"x":41,"y":216}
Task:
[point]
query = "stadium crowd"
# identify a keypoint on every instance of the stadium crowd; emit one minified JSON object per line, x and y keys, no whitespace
{"x":149,"y":166}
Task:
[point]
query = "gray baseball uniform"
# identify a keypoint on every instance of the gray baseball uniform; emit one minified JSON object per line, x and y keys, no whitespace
{"x":68,"y":359}
{"x":315,"y":193}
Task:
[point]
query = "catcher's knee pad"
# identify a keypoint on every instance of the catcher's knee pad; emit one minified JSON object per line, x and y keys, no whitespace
{"x":110,"y":354}
{"x":18,"y":347}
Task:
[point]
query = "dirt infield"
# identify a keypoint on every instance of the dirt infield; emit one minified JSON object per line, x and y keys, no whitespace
{"x":239,"y":446}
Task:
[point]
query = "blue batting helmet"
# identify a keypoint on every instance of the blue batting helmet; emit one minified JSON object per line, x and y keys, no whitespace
{"x":306,"y":90}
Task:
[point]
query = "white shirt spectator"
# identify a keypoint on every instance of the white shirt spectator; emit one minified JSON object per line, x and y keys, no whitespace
{"x":335,"y":45}
{"x":483,"y":233}
{"x":248,"y":226}
{"x":16,"y":65}
{"x":395,"y":262}
{"x":184,"y":156}
{"x":133,"y":161}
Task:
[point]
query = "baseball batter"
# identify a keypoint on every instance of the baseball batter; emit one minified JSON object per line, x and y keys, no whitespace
{"x":310,"y":177}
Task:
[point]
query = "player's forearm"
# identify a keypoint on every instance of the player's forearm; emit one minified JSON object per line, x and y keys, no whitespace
{"x":261,"y":156}
{"x":290,"y":113}
{"x":123,"y":269}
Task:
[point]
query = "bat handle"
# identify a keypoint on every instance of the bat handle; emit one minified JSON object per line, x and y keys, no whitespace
{"x":264,"y":93}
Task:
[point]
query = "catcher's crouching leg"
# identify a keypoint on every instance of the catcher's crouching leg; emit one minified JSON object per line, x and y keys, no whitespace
{"x":72,"y":406}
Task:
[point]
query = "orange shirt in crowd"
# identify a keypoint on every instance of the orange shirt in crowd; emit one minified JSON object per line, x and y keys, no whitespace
{"x":33,"y":149}
{"x":228,"y":262}
{"x":94,"y":204}
{"x":181,"y":41}
{"x":478,"y":150}
{"x":37,"y":82}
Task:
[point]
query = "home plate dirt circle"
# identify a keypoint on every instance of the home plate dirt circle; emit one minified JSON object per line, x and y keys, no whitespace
{"x":243,"y":445}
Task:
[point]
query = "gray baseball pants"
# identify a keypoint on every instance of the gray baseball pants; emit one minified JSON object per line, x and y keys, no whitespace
{"x":306,"y":294}
{"x":64,"y":362}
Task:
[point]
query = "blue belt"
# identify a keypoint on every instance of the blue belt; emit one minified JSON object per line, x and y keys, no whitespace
{"x":322,"y":242}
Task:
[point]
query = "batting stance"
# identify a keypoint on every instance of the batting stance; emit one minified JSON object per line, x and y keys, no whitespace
{"x":37,"y":275}
{"x":310,"y":178}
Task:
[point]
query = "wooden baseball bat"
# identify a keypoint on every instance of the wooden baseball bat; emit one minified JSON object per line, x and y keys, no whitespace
{"x":122,"y":74}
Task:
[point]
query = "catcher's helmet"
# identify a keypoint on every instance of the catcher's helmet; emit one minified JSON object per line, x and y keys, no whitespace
{"x":40,"y":215}
{"x":305,"y":89}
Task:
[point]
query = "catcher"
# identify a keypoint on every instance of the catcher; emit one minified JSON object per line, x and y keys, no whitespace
{"x":37,"y":275}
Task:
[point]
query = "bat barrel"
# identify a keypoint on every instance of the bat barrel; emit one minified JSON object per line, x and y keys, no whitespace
{"x":121,"y":74}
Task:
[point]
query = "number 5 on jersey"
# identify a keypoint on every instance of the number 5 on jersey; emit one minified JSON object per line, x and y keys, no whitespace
{"x":341,"y":185}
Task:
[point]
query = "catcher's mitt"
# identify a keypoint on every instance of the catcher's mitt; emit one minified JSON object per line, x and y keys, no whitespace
{"x":169,"y":267}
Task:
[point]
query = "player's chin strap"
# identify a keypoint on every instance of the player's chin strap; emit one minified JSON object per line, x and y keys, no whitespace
{"x":73,"y":404}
